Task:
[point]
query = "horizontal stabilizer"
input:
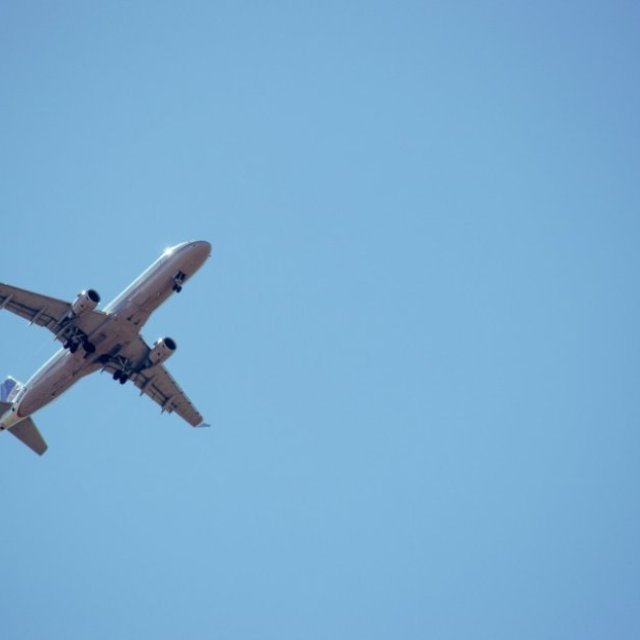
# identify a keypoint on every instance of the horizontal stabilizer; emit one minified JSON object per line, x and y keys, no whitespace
{"x":29,"y":434}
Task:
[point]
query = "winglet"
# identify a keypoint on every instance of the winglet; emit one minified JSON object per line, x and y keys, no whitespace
{"x":202,"y":425}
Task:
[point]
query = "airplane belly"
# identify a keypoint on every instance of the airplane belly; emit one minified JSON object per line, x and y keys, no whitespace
{"x":51,"y":382}
{"x":150,"y":296}
{"x":35,"y":399}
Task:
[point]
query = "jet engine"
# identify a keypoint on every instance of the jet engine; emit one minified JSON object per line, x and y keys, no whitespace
{"x":86,"y":301}
{"x":161,"y":350}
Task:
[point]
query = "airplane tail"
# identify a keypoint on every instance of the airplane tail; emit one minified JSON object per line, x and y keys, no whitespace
{"x":26,"y":431}
{"x":9,"y":388}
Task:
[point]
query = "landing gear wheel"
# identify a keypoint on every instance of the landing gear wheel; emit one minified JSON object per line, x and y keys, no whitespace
{"x":123,"y":378}
{"x":89,"y":347}
{"x":178,"y":281}
{"x":117,"y":374}
{"x":73,"y":347}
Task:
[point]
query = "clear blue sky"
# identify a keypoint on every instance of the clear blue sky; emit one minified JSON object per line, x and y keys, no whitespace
{"x":416,"y":340}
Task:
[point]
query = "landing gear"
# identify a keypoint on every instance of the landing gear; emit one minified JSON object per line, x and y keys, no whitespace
{"x":77,"y":339}
{"x":120,"y":376}
{"x":178,"y":281}
{"x":121,"y":368}
{"x":72,"y":346}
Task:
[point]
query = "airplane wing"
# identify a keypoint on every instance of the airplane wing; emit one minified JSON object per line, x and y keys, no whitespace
{"x":48,"y":312}
{"x":158,"y":384}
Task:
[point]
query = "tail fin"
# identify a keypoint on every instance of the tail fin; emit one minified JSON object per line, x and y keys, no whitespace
{"x":9,"y":388}
{"x":28,"y":433}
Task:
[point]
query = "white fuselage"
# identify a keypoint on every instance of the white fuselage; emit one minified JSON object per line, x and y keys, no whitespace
{"x":124,"y":317}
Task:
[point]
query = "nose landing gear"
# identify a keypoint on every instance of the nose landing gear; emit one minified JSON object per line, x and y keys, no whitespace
{"x":178,"y":281}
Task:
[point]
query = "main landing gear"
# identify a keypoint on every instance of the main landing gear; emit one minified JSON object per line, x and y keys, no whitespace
{"x":120,"y":376}
{"x":124,"y":370}
{"x":73,"y":345}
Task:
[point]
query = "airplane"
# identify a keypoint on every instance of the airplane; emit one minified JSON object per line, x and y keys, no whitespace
{"x":107,"y":340}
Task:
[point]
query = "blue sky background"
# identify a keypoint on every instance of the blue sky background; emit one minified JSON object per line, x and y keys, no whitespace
{"x":416,"y":340}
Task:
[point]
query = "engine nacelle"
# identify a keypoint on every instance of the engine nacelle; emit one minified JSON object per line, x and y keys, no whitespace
{"x":161,"y":350}
{"x":86,"y":301}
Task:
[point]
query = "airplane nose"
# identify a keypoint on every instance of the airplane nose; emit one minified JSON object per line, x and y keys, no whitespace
{"x":202,"y":248}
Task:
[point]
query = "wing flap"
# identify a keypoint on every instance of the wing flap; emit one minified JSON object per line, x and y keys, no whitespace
{"x":159,"y":385}
{"x":34,"y":307}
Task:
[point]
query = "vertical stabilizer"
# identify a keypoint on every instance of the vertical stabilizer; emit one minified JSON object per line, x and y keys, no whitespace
{"x":8,"y":389}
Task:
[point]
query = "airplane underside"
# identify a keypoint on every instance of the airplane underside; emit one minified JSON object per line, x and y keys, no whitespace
{"x":109,"y":340}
